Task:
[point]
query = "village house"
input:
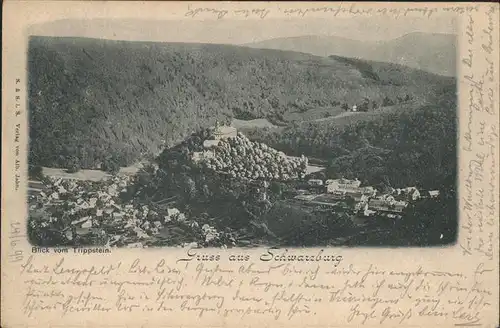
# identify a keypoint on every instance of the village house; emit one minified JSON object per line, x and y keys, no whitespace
{"x":400,"y":203}
{"x":386,"y":207}
{"x":390,"y":190}
{"x":357,"y":195}
{"x":344,"y":188}
{"x":369,"y":191}
{"x":366,"y":210}
{"x":342,"y":185}
{"x":379,"y":206}
{"x":315,"y":182}
{"x":409,"y":193}
{"x":338,"y":195}
{"x":434,"y":193}
{"x":361,"y":206}
{"x":429,"y":194}
{"x":387,"y":198}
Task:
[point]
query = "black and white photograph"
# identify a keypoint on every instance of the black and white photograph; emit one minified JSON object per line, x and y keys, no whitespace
{"x":227,"y":133}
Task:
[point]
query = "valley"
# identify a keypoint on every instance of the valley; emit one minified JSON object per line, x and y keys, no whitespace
{"x":140,"y":144}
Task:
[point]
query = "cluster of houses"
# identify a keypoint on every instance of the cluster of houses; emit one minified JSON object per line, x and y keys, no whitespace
{"x":367,"y":200}
{"x":97,"y":205}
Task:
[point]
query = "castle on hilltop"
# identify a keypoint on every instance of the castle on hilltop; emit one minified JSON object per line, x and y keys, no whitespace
{"x":219,"y":132}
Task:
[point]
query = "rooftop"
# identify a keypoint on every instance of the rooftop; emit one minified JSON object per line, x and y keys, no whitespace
{"x":224,"y":129}
{"x":210,"y":143}
{"x":382,"y":205}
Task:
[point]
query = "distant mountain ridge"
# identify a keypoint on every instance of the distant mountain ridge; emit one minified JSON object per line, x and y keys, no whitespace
{"x":432,"y":52}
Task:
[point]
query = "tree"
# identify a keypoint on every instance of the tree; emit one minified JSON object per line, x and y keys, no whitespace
{"x":189,"y":187}
{"x":35,"y":171}
{"x":364,"y":106}
{"x":73,"y":165}
{"x":275,"y":188}
{"x":111,"y":165}
{"x":387,"y":102}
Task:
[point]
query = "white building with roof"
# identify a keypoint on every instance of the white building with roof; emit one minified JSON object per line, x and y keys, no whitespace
{"x":315,"y":182}
{"x":210,"y":143}
{"x":411,"y":193}
{"x":433,"y":193}
{"x":343,"y":185}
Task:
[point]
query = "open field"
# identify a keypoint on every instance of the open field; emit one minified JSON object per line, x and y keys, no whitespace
{"x":257,"y":123}
{"x":89,"y":175}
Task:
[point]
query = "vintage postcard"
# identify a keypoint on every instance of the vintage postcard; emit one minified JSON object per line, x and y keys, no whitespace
{"x":250,"y":164}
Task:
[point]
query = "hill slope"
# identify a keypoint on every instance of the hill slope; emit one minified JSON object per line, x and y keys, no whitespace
{"x":93,"y":101}
{"x":403,"y":147}
{"x":435,"y":53}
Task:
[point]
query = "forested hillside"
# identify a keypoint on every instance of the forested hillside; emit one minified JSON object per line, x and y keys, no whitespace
{"x":95,"y":102}
{"x":394,"y":148}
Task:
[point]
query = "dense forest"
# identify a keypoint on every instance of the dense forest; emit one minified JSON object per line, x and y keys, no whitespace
{"x":101,"y":103}
{"x":394,"y":148}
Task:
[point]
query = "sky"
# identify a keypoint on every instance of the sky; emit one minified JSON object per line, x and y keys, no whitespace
{"x":227,"y":31}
